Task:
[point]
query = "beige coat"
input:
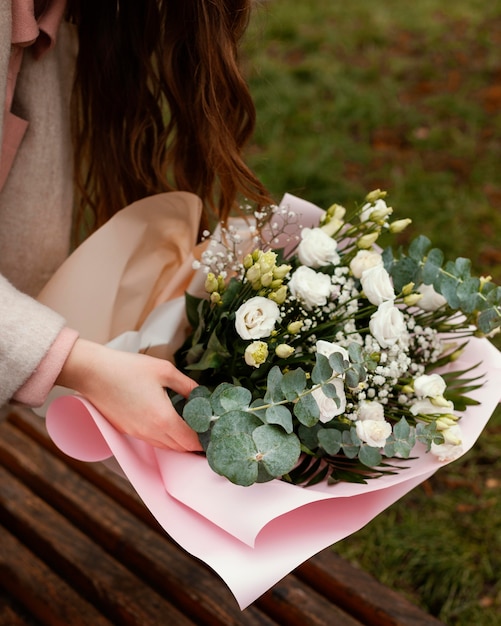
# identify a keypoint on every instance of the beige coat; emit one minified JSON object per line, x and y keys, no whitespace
{"x":35,"y":203}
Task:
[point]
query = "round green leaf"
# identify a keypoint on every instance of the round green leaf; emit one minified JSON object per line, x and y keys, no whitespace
{"x":330,"y":439}
{"x":234,"y":398}
{"x":278,"y":451}
{"x":234,"y":457}
{"x":306,"y":410}
{"x":235,"y":422}
{"x":280,"y":414}
{"x":198,"y":414}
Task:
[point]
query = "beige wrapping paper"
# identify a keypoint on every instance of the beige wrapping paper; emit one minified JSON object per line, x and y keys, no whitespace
{"x":141,"y":257}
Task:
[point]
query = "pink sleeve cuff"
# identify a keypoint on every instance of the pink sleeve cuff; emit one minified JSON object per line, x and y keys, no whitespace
{"x":35,"y":390}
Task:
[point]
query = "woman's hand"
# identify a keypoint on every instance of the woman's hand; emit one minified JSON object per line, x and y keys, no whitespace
{"x":129,"y":390}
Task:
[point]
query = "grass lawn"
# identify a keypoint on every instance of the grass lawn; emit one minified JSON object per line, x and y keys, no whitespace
{"x":405,"y":97}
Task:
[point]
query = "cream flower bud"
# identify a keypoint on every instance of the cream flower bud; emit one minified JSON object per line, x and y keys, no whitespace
{"x":279,"y":295}
{"x":407,"y":289}
{"x":379,"y":214}
{"x":284,"y":351}
{"x":281,"y":271}
{"x":211,"y":283}
{"x":256,"y":353}
{"x":294,"y":327}
{"x":375,"y":195}
{"x":215,"y":297}
{"x":267,"y":262}
{"x":439,"y":401}
{"x":399,"y":225}
{"x":266,"y":279}
{"x":221,"y":284}
{"x":330,"y":227}
{"x":366,"y":241}
{"x":253,"y":274}
{"x":336,"y":212}
{"x":248,"y":261}
{"x":445,"y":421}
{"x":412,"y":299}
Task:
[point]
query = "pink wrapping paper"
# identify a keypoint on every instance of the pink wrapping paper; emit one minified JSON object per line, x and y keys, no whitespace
{"x":251,"y":536}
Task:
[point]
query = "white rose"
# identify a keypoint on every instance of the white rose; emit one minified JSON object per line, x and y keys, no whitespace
{"x":376,"y":284}
{"x":327,"y":348}
{"x":426,"y":407}
{"x":312,"y":288}
{"x":328,"y":406}
{"x":370,"y":410}
{"x":429,"y":386}
{"x":316,"y":248}
{"x":387,"y":324}
{"x":431,"y":300}
{"x":364,"y":260}
{"x":452,"y":448}
{"x":256,"y":318}
{"x":373,"y":432}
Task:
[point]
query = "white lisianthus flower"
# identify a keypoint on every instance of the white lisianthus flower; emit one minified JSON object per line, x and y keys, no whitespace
{"x":426,"y":407}
{"x":328,"y":406}
{"x":256,"y":318}
{"x":373,"y":432}
{"x":452,"y":448}
{"x":316,"y":248}
{"x":364,"y":260}
{"x":431,"y":300}
{"x":370,"y":410}
{"x":387,"y":324}
{"x":429,"y":386}
{"x":311,"y":288}
{"x":327,"y":348}
{"x":376,"y":284}
{"x":256,"y":353}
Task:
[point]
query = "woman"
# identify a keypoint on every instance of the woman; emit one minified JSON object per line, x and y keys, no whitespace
{"x":135,"y":62}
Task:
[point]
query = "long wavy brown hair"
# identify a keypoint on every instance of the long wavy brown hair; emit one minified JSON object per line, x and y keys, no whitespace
{"x":160,"y":104}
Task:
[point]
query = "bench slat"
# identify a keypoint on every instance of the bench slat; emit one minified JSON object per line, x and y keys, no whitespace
{"x":24,"y":576}
{"x":100,"y":579}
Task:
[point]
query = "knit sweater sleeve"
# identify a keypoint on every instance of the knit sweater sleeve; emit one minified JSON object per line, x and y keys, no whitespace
{"x":28,"y":332}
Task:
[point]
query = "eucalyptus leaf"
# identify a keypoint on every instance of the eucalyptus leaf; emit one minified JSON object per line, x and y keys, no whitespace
{"x":352,"y":378}
{"x":198,"y":414}
{"x":419,"y":247}
{"x":330,"y":439}
{"x":369,"y":456}
{"x":467,"y":293}
{"x":233,"y":398}
{"x":447,"y":285}
{"x":337,"y":362}
{"x":274,"y":391}
{"x":235,"y":422}
{"x":217,"y":407}
{"x":403,"y":272}
{"x":278,"y":451}
{"x":293,"y":384}
{"x":234,"y":457}
{"x":350,"y":448}
{"x":432,"y":265}
{"x":322,"y":370}
{"x":306,"y":410}
{"x":280,"y":415}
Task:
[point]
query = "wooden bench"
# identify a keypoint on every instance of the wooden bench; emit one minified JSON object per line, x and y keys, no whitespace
{"x":77,"y":547}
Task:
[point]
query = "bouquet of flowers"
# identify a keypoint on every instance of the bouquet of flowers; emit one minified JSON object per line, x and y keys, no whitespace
{"x":319,"y":360}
